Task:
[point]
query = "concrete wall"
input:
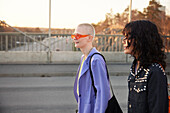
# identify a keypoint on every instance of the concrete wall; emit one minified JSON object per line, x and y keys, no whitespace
{"x":56,"y":57}
{"x":63,"y":57}
{"x":23,"y":57}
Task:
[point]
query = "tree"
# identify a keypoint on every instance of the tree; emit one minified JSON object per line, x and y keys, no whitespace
{"x":109,"y":17}
{"x":102,"y":25}
{"x":117,"y":19}
{"x":2,"y":26}
{"x":155,"y":12}
{"x":167,"y":26}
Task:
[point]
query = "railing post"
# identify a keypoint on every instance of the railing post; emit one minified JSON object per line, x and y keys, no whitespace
{"x":126,"y":58}
{"x":164,"y":41}
{"x":11,"y":42}
{"x":1,"y":42}
{"x":6,"y":37}
{"x":167,"y":46}
{"x":49,"y":54}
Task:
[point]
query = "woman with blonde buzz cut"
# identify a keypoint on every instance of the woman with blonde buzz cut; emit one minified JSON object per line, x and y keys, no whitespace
{"x":89,"y":101}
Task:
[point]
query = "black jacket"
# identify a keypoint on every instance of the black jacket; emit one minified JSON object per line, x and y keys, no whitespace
{"x":148,"y":91}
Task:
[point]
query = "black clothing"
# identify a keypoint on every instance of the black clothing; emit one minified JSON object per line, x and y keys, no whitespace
{"x":148,"y":91}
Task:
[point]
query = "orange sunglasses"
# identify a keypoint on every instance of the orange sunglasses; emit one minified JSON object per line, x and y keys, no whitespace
{"x":78,"y":36}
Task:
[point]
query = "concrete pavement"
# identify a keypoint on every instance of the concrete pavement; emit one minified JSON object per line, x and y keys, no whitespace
{"x":115,"y":69}
{"x":35,"y":94}
{"x":48,"y":94}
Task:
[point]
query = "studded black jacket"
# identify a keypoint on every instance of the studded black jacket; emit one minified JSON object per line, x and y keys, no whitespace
{"x":148,"y":91}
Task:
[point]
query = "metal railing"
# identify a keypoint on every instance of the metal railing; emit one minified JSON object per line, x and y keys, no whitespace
{"x":108,"y":42}
{"x":38,"y":42}
{"x":60,"y":42}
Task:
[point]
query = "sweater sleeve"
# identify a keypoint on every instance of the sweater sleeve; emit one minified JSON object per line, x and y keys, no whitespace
{"x":157,"y":91}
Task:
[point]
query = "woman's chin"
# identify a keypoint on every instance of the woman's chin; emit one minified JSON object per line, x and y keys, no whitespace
{"x":127,"y":52}
{"x":77,"y":46}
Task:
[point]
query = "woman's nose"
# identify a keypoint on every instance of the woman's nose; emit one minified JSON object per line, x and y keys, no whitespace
{"x":125,"y":43}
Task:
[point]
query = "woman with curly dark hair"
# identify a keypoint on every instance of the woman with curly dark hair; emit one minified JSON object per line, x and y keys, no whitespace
{"x":147,"y":81}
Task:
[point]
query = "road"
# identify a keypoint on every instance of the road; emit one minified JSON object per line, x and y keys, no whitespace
{"x":115,"y":69}
{"x":55,"y":69}
{"x":47,"y":94}
{"x":54,"y":92}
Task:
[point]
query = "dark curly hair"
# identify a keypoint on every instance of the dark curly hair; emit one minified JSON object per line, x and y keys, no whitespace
{"x":148,"y":44}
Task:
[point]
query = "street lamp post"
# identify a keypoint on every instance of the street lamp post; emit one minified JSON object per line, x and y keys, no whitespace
{"x":49,"y":18}
{"x":49,"y":30}
{"x":130,"y":11}
{"x":130,"y":18}
{"x":49,"y":34}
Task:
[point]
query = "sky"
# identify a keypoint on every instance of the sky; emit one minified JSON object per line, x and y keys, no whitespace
{"x":65,"y":13}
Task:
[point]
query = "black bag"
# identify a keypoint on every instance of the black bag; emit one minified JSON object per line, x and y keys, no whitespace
{"x":113,"y":105}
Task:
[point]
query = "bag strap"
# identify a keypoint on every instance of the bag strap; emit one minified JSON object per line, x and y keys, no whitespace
{"x":91,"y":74}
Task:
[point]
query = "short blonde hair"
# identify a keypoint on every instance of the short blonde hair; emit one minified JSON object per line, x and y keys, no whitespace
{"x":90,"y":29}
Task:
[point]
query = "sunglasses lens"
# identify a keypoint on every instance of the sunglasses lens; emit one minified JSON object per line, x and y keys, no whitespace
{"x":78,"y":36}
{"x":73,"y":36}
